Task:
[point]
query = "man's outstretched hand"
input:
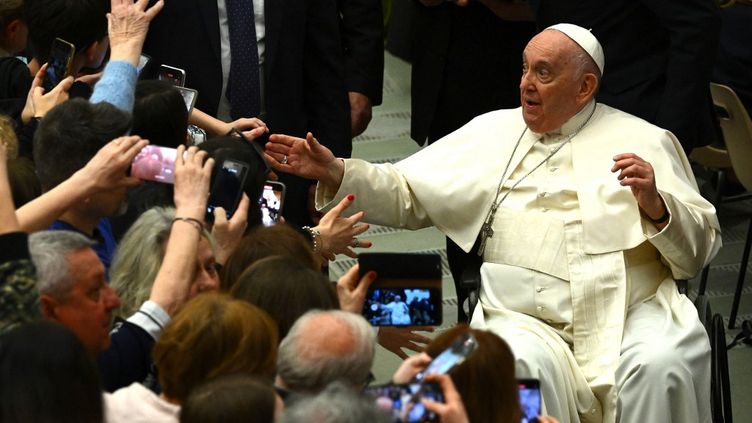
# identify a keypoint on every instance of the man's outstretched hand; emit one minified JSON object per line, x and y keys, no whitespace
{"x":304,"y":157}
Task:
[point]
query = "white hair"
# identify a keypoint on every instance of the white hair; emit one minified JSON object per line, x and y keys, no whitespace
{"x":338,"y":403}
{"x":326,"y":346}
{"x":49,"y":252}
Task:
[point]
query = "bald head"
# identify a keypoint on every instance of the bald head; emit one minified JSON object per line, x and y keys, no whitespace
{"x":325,"y":346}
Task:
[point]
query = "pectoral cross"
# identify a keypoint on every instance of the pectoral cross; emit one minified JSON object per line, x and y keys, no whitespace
{"x":485,"y":232}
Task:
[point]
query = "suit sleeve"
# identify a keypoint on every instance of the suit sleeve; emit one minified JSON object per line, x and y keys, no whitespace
{"x":694,"y":30}
{"x":362,"y":30}
{"x":326,"y":102}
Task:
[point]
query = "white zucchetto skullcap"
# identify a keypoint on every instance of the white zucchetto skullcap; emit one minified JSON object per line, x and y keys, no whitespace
{"x":585,"y":39}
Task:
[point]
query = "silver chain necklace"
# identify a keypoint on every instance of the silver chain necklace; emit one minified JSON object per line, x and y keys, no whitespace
{"x":486,"y":230}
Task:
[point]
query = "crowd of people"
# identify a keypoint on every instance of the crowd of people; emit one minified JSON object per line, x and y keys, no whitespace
{"x":127,"y":295}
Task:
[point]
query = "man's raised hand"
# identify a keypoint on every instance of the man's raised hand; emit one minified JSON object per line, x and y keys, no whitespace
{"x":304,"y":157}
{"x":127,"y":25}
{"x":638,"y":175}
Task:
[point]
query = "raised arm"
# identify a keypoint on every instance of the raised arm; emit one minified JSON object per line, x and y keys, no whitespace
{"x":172,"y":284}
{"x":8,"y":220}
{"x":106,"y":170}
{"x":38,"y":102}
{"x":18,"y":293}
{"x":127,"y":25}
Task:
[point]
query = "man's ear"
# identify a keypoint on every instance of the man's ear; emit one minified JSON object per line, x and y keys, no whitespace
{"x":12,"y":28}
{"x":588,"y":88}
{"x":48,"y":306}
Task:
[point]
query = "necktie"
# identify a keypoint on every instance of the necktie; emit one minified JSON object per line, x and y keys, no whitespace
{"x":243,"y":82}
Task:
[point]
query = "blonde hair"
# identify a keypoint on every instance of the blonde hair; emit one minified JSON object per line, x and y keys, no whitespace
{"x":139,"y":256}
{"x":8,"y":137}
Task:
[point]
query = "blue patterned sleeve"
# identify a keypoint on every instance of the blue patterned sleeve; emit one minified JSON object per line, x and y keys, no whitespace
{"x":117,"y":85}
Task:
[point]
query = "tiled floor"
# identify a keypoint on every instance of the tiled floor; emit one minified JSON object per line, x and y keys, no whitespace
{"x":388,"y":140}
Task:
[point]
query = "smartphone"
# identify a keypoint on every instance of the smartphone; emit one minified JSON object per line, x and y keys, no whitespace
{"x":175,"y":76}
{"x":227,"y":187}
{"x":530,"y":399}
{"x":271,"y":201}
{"x":58,"y":64}
{"x":403,"y":403}
{"x":462,"y":348}
{"x":155,"y":163}
{"x":407,"y":289}
{"x":143,"y":60}
{"x":189,"y":97}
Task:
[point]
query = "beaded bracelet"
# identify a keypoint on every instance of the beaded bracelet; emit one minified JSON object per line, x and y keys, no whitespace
{"x":315,"y":237}
{"x":195,"y":222}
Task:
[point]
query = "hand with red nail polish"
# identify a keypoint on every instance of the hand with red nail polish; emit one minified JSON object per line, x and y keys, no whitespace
{"x":339,"y":235}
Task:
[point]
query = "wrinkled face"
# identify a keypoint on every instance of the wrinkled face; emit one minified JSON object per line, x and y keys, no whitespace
{"x":550,"y":82}
{"x":206,"y":278}
{"x":88,"y":308}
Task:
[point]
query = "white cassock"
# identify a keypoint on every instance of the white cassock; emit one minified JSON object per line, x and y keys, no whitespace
{"x":578,"y":283}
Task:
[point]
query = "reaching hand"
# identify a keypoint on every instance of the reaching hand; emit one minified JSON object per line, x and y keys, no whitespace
{"x":352,"y":289}
{"x":38,"y":103}
{"x":107,"y":169}
{"x":339,"y":234}
{"x":410,"y":367}
{"x":304,"y":157}
{"x":637,"y":174}
{"x":394,"y":339}
{"x":90,"y":79}
{"x":251,"y":128}
{"x":228,"y":233}
{"x":192,"y":175}
{"x":452,"y":410}
{"x":127,"y":25}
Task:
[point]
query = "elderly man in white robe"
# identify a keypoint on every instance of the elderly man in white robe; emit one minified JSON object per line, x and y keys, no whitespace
{"x":585,"y":216}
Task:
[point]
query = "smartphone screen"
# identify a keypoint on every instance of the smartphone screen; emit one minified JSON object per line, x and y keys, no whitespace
{"x":155,"y":163}
{"x":457,"y":353}
{"x":403,"y":401}
{"x":189,"y":97}
{"x":175,"y":76}
{"x":407,"y":289}
{"x":227,"y":187}
{"x":58,"y":64}
{"x":270,"y":203}
{"x":415,"y":306}
{"x":530,"y":399}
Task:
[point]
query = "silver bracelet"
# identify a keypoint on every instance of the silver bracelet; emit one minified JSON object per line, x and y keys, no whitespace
{"x":315,"y":237}
{"x":195,"y":222}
